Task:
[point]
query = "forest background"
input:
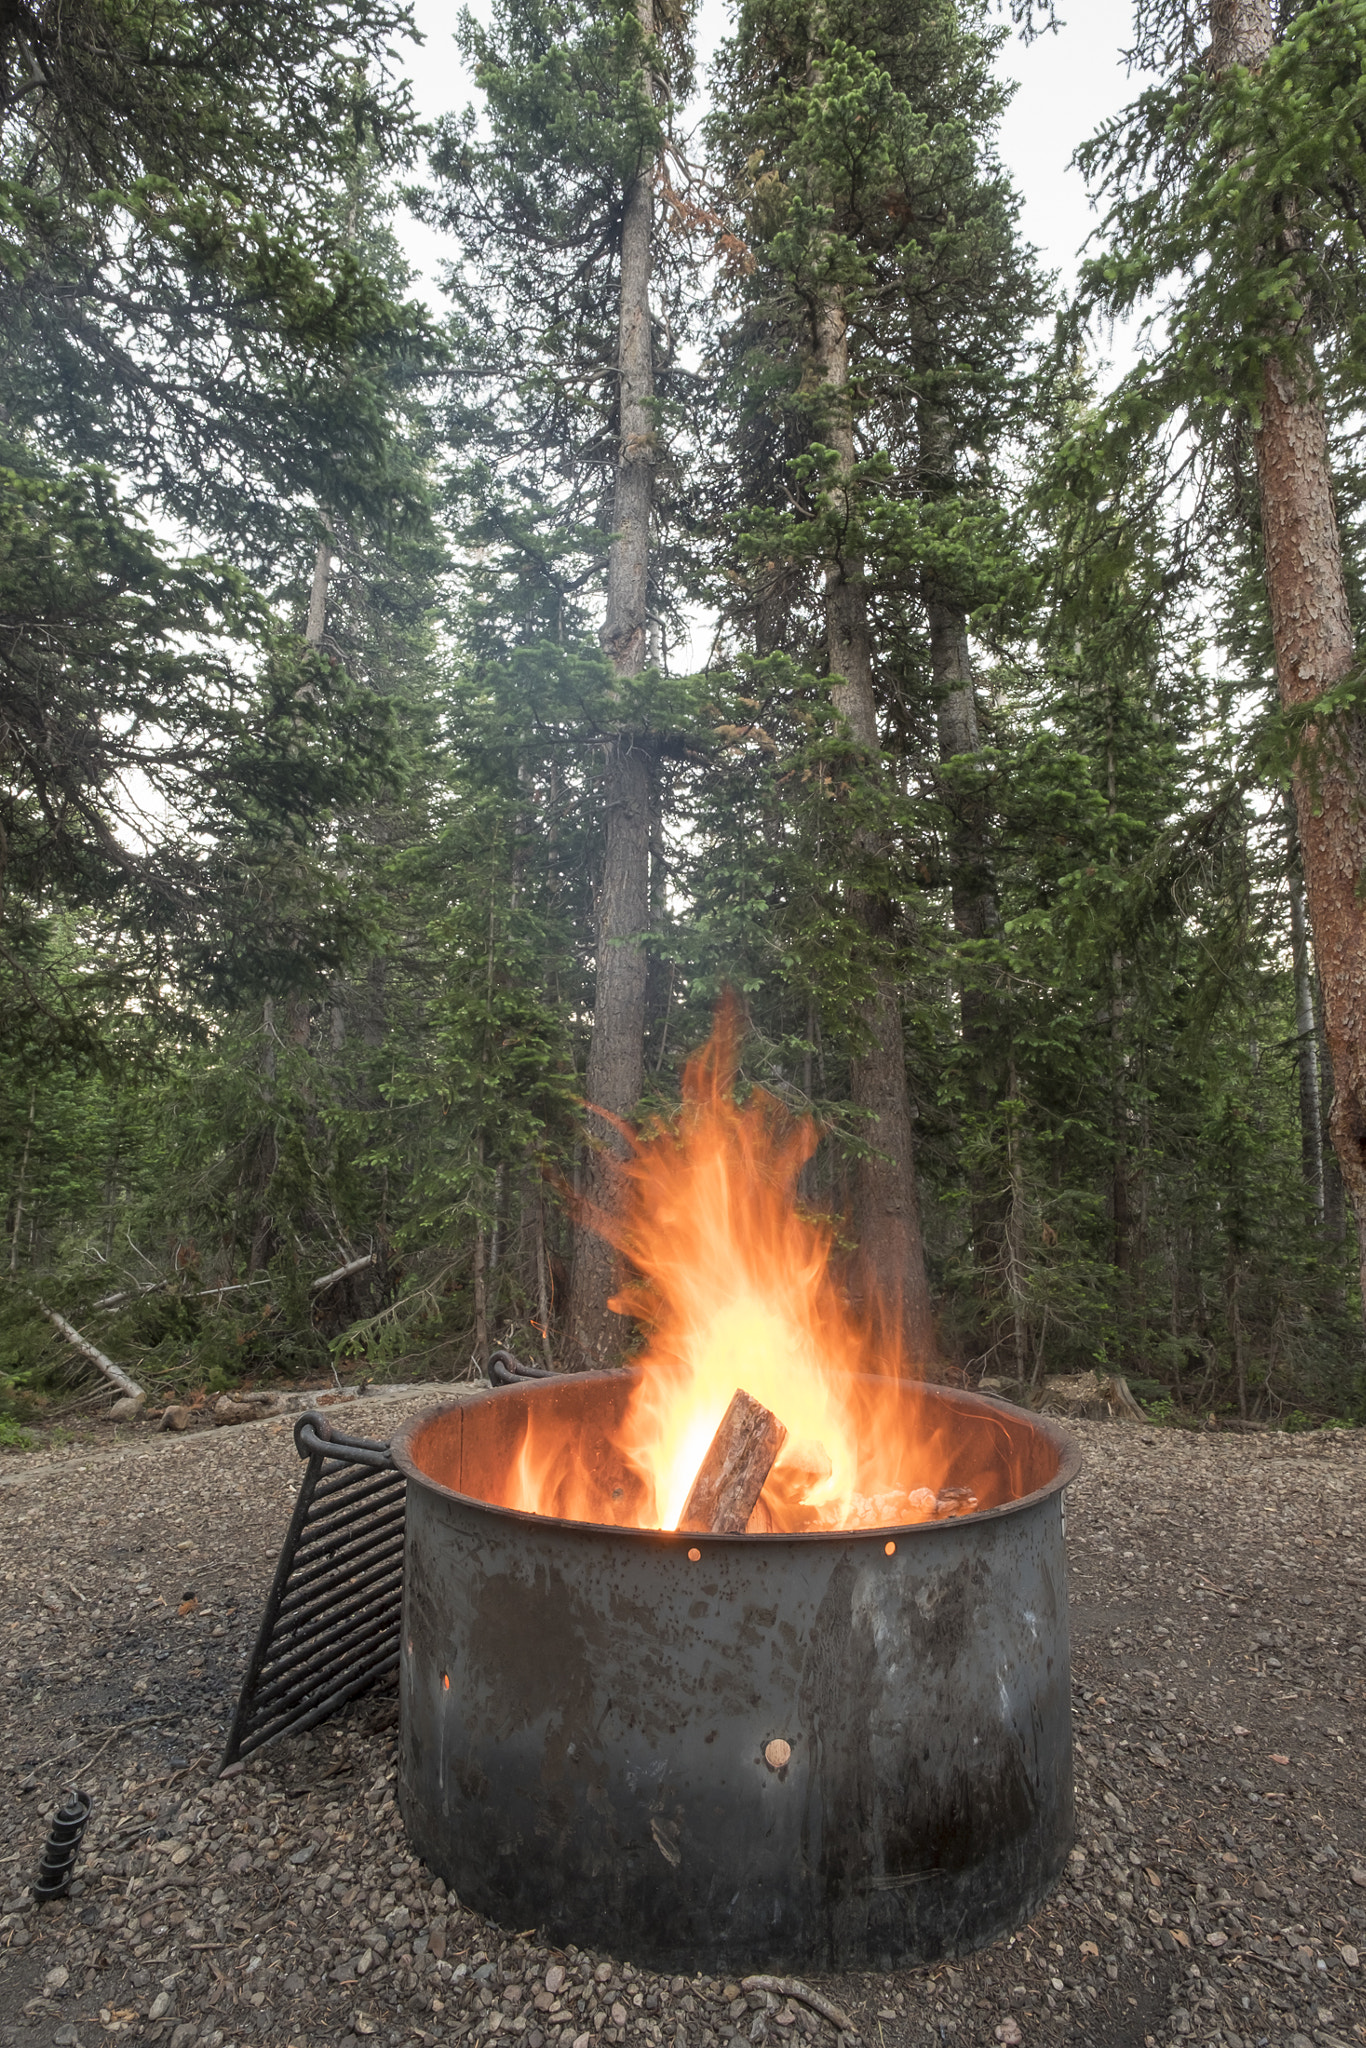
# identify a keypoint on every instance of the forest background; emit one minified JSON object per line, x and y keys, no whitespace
{"x":413,"y":719}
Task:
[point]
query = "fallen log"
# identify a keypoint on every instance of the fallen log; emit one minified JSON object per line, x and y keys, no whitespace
{"x":114,"y":1373}
{"x":731,"y":1476}
{"x":244,"y":1407}
{"x":342,"y":1273}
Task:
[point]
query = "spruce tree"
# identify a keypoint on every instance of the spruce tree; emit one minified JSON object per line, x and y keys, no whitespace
{"x":553,"y":213}
{"x":1238,"y":181}
{"x":882,"y":320}
{"x":194,"y":350}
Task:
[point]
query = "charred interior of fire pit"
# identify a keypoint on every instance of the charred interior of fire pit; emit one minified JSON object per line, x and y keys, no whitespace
{"x":936,"y":1457}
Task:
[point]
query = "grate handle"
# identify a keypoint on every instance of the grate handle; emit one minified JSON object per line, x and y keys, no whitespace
{"x":314,"y":1437}
{"x":507,"y":1370}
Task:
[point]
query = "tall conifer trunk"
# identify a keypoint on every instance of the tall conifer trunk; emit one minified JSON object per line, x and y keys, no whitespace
{"x":972,"y":884}
{"x":886,"y":1205}
{"x":1306,"y":1026}
{"x":317,"y":596}
{"x":616,"y":1054}
{"x":976,"y":917}
{"x":1312,"y":632}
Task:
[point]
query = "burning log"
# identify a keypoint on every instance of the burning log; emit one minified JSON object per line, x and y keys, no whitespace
{"x":731,"y":1476}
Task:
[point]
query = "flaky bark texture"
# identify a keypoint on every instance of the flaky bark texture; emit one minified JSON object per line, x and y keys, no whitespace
{"x":1306,"y":1026}
{"x":1240,"y":32}
{"x":616,"y":1070}
{"x":886,"y":1205}
{"x":733,"y":1474}
{"x":1312,"y":632}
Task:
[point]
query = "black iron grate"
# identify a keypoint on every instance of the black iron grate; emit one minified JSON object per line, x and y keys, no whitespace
{"x":331,"y":1628}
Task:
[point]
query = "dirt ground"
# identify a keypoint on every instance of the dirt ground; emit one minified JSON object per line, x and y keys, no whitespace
{"x":1217,"y":1893}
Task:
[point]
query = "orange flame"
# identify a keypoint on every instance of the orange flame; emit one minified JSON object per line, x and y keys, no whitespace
{"x":735,"y":1287}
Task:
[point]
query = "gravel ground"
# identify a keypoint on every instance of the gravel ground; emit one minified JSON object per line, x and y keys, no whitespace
{"x":1217,"y":1892}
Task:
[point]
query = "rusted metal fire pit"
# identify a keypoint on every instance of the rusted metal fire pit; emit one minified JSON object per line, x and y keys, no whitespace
{"x":835,"y":1750}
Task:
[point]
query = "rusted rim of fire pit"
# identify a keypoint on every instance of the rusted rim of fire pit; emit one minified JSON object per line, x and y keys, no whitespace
{"x":1067,"y":1451}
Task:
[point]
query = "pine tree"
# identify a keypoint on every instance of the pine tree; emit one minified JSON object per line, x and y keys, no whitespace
{"x":886,"y":305}
{"x":190,"y":342}
{"x":554,"y":213}
{"x":1243,"y":180}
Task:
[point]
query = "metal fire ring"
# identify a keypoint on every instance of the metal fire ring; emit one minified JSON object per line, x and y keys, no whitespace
{"x":839,"y":1750}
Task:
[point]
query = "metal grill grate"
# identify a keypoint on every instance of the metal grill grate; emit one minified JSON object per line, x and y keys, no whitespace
{"x":332,"y":1623}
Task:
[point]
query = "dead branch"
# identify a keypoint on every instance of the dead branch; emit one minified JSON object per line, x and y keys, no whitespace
{"x":130,"y":1293}
{"x":793,"y":1987}
{"x":342,"y":1273}
{"x":114,"y":1373}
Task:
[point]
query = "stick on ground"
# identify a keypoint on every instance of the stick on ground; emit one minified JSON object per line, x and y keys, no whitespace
{"x":731,"y":1476}
{"x":793,"y":1987}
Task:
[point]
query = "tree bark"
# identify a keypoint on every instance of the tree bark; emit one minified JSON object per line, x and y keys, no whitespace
{"x":1315,"y":649}
{"x":972,"y":884}
{"x":886,"y":1204}
{"x":976,"y":915}
{"x":616,"y":1054}
{"x":1121,"y":1212}
{"x":317,"y":596}
{"x":21,"y":1185}
{"x":731,"y":1477}
{"x":1014,"y":1237}
{"x":1306,"y":1026}
{"x":1232,"y":1275}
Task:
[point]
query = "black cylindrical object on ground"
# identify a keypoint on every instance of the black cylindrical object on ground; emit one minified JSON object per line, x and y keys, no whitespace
{"x":838,"y":1750}
{"x":63,"y":1842}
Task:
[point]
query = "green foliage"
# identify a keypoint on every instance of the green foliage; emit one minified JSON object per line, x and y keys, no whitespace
{"x":203,"y":366}
{"x":110,"y":651}
{"x":531,"y":193}
{"x":1242,"y":197}
{"x":333,"y":1009}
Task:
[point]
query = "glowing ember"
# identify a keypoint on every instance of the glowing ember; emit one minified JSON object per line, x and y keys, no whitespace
{"x":735,"y":1289}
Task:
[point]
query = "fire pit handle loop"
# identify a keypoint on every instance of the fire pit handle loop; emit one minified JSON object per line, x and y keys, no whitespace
{"x":507,"y":1370}
{"x":314,"y":1437}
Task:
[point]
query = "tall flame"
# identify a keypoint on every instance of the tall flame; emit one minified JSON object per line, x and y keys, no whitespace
{"x":735,"y":1287}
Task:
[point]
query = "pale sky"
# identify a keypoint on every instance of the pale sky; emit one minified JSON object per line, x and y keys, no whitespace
{"x":1068,"y":83}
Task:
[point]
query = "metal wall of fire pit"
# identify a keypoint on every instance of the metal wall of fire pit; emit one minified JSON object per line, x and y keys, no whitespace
{"x":590,"y":1718}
